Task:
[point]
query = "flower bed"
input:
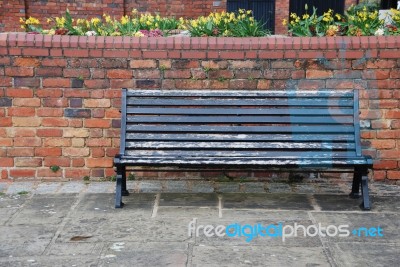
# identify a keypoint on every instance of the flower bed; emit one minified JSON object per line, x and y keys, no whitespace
{"x":360,"y":20}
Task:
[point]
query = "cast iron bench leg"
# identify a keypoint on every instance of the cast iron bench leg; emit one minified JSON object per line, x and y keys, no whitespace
{"x":355,"y":189}
{"x":125,"y":192}
{"x":365,"y":193}
{"x":118,"y":192}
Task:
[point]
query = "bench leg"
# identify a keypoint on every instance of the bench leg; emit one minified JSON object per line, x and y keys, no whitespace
{"x":125,"y":192}
{"x":118,"y":192}
{"x":365,"y":205}
{"x":355,"y":189}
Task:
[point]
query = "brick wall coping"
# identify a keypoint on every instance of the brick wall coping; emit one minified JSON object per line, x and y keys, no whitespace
{"x":200,"y":43}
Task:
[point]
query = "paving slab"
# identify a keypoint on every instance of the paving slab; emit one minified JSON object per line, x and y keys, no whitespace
{"x":144,"y":254}
{"x":243,"y":240}
{"x":189,"y":199}
{"x":341,"y":202}
{"x":25,"y":240}
{"x":267,"y":201}
{"x":258,"y":256}
{"x":20,"y":187}
{"x":359,"y":225}
{"x":9,"y":205}
{"x":72,"y":187}
{"x":44,"y":210}
{"x":46,"y":261}
{"x":367,"y":254}
{"x":47,"y":188}
{"x":124,"y":226}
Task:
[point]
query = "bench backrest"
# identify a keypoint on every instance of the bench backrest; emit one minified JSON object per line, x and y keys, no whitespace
{"x":275,"y":124}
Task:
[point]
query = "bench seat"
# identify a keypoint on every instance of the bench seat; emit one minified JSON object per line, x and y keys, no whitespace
{"x":199,"y":129}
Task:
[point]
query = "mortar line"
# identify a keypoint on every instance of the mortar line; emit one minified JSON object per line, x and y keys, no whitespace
{"x":324,"y":243}
{"x":63,"y":223}
{"x":219,"y":206}
{"x":156,"y":204}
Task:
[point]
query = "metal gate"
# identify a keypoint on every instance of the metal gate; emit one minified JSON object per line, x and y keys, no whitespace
{"x":263,"y":10}
{"x":297,"y":6}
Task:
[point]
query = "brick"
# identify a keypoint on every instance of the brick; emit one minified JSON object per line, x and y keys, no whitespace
{"x":28,"y":162}
{"x":54,"y":62}
{"x":47,"y":172}
{"x":97,"y":123}
{"x":49,"y":72}
{"x":177,"y":74}
{"x":20,"y":152}
{"x":6,"y":122}
{"x":27,"y":141}
{"x":55,"y":102}
{"x":57,"y":142}
{"x":380,"y":124}
{"x":4,"y":142}
{"x":21,"y":132}
{"x":385,"y":164}
{"x":49,"y":112}
{"x":99,"y":162}
{"x":143,"y":64}
{"x":148,"y":83}
{"x":5,"y":102}
{"x":76,"y":151}
{"x":43,"y":52}
{"x":389,"y":154}
{"x":55,"y":122}
{"x":221,"y":64}
{"x":185,"y":64}
{"x":26,"y":62}
{"x":57,"y":161}
{"x":278,"y":74}
{"x":381,"y":64}
{"x":77,"y":83}
{"x":77,"y":113}
{"x":392,"y":114}
{"x":5,"y":81}
{"x":19,"y":92}
{"x":241,"y":83}
{"x":376,"y":74}
{"x":77,"y":162}
{"x":76,"y":132}
{"x":50,"y":132}
{"x":97,"y":103}
{"x":21,"y":112}
{"x":27,"y":82}
{"x":388,"y":134}
{"x":94,"y":142}
{"x":216,"y":74}
{"x":97,"y":84}
{"x":26,"y":102}
{"x":383,"y":144}
{"x":19,"y":71}
{"x":47,"y":151}
{"x":56,"y":82}
{"x":77,"y":173}
{"x":78,"y":142}
{"x":395,"y":175}
{"x":22,"y":173}
{"x":98,"y":152}
{"x":119,"y":74}
{"x":76,"y":53}
{"x":49,"y":92}
{"x":76,"y":73}
{"x":25,"y":122}
{"x":318,"y":74}
{"x":311,"y":84}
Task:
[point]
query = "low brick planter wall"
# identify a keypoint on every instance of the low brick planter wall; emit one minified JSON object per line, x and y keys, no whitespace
{"x":60,"y":95}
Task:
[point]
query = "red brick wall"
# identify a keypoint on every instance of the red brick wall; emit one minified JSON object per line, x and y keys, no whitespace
{"x":60,"y":95}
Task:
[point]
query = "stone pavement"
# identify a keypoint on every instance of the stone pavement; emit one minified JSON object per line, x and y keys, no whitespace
{"x":75,"y":224}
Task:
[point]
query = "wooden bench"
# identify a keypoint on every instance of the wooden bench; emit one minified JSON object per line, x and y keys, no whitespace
{"x":242,"y":129}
